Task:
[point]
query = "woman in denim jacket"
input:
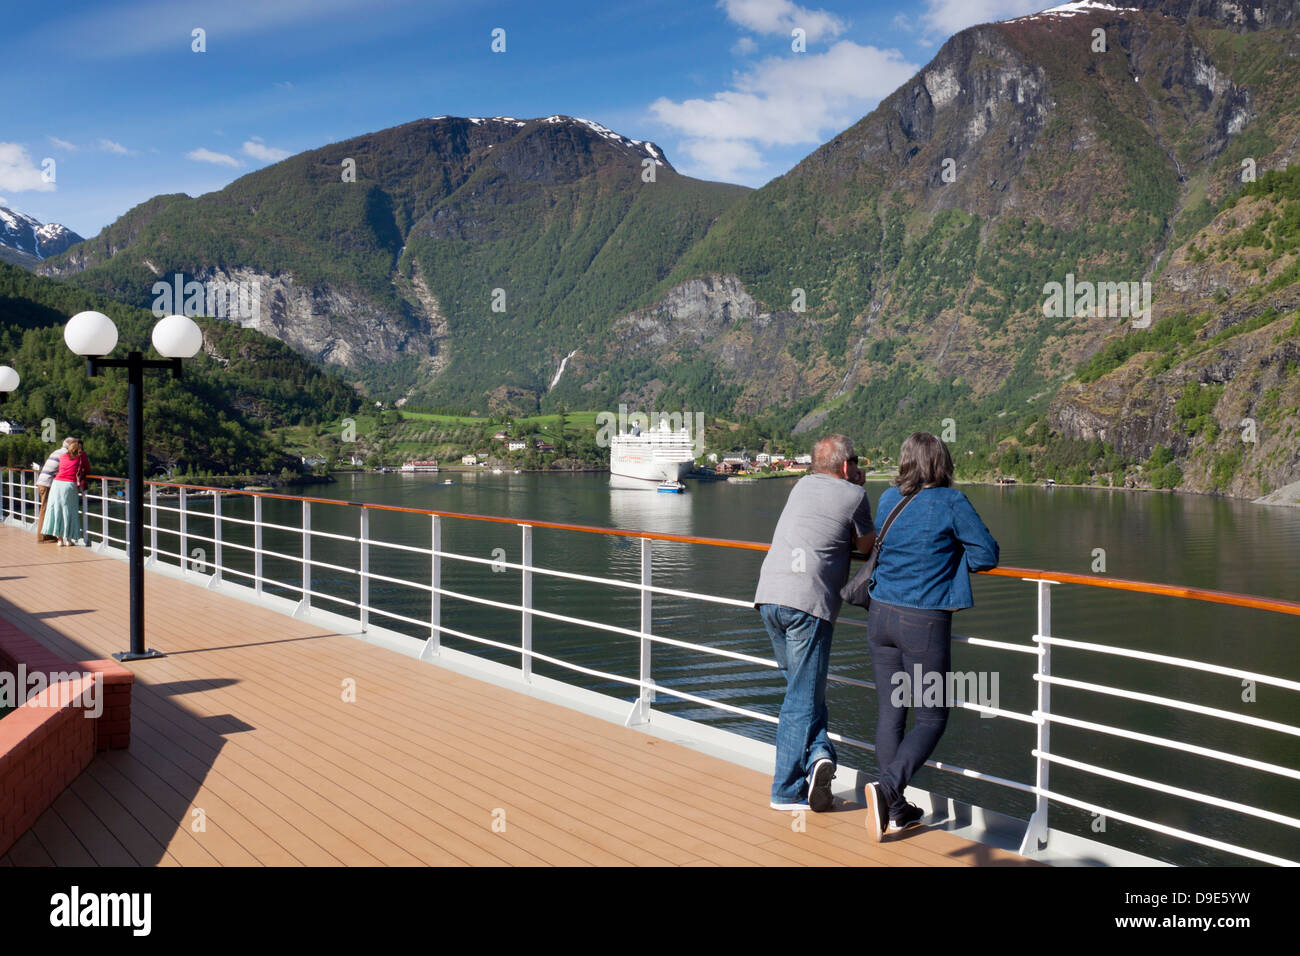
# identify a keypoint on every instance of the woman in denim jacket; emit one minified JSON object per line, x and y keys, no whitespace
{"x":922,"y":575}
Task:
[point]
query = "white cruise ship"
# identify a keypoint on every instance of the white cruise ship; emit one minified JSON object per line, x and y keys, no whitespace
{"x":656,"y":455}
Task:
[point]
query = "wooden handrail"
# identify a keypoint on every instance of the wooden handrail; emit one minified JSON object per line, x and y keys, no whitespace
{"x":1277,"y":605}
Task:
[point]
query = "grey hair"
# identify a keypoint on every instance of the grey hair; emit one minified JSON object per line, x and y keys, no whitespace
{"x":831,"y":452}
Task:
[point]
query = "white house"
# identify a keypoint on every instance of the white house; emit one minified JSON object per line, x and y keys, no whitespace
{"x":762,"y":458}
{"x":804,"y":459}
{"x":517,"y":444}
{"x":469,"y":460}
{"x":8,"y":427}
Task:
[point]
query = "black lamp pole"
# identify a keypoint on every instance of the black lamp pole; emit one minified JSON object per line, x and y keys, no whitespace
{"x":135,"y":364}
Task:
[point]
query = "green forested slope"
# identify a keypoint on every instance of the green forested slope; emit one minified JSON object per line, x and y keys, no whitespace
{"x":213,"y":420}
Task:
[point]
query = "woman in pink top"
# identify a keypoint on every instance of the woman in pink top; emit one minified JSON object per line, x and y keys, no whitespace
{"x":63,"y":511}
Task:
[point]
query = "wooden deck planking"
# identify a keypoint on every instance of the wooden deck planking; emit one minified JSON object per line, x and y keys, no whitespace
{"x":255,"y":732}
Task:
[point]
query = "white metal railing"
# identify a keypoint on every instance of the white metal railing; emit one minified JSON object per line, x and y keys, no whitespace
{"x":18,"y":507}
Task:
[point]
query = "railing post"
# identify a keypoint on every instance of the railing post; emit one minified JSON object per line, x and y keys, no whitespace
{"x":22,"y":491}
{"x":257,"y":544}
{"x":365,"y":568}
{"x":153,"y":525}
{"x":1035,"y":838}
{"x":216,"y":539}
{"x":526,"y":600}
{"x":641,"y":709}
{"x":184,"y":536}
{"x":103,"y":514}
{"x":433,"y":646}
{"x":85,"y":510}
{"x":304,"y":605}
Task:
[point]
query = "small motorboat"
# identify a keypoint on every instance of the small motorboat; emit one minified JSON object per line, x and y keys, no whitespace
{"x":671,"y":488}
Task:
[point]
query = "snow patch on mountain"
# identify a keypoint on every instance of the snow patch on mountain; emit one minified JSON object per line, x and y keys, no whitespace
{"x":604,"y":132}
{"x":1078,"y":6}
{"x":26,"y":234}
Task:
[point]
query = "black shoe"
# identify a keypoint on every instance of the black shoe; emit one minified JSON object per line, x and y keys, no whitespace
{"x":820,"y":798}
{"x":877,"y":812}
{"x":909,"y":818}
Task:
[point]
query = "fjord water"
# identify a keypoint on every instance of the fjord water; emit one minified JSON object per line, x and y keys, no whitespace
{"x":1184,"y":540}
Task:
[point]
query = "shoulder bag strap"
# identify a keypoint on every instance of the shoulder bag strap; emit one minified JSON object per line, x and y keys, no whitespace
{"x":898,"y":510}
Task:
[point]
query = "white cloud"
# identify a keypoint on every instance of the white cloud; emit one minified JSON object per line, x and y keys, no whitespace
{"x":800,"y":99}
{"x":952,"y":16}
{"x":203,"y":155}
{"x":260,"y":151}
{"x":62,"y":144}
{"x":18,"y":173}
{"x":782,"y":16}
{"x":902,"y":22}
{"x":744,"y":46}
{"x":109,"y":146}
{"x":723,"y":158}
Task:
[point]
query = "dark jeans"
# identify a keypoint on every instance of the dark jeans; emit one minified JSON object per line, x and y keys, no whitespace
{"x":901,"y":639}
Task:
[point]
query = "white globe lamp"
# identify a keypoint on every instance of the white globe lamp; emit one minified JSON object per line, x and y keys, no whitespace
{"x":90,"y":334}
{"x":177,"y":337}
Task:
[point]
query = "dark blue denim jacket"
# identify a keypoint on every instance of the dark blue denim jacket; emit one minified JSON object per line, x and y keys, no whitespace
{"x":930,"y":551}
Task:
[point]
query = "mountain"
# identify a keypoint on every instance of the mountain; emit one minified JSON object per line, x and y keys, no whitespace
{"x":395,"y":275}
{"x":921,"y":243}
{"x":214,"y":420}
{"x":907,"y":274}
{"x":1212,"y":391}
{"x":25,"y":241}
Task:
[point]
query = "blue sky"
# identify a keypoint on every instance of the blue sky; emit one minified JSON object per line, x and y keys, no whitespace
{"x":115,"y":95}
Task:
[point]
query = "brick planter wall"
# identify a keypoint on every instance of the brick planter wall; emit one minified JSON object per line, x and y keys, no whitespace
{"x":51,"y":738}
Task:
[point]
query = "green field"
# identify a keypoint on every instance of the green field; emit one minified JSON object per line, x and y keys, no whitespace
{"x":390,"y":437}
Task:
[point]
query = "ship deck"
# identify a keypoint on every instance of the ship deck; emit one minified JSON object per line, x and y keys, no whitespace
{"x":244,"y":719}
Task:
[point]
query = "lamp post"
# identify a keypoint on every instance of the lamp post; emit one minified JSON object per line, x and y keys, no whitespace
{"x":93,"y":335}
{"x":8,"y":382}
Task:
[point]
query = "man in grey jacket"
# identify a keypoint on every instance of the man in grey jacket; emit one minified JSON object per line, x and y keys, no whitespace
{"x":43,"y":482}
{"x":826,"y":516}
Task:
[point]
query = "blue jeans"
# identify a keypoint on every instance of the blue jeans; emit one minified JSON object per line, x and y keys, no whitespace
{"x":902,"y":639}
{"x":802,"y":645}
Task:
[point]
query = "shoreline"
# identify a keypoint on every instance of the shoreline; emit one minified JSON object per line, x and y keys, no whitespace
{"x":1293,"y":489}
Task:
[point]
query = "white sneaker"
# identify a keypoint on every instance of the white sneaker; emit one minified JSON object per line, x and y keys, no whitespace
{"x":791,"y":805}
